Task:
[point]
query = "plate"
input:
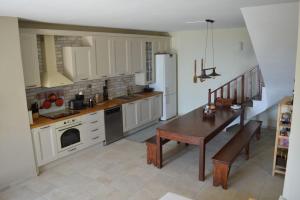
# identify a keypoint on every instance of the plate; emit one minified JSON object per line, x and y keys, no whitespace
{"x":235,"y":107}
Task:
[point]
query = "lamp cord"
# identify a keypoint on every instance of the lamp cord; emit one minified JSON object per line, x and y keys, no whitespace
{"x":206,"y":44}
{"x":212,"y":41}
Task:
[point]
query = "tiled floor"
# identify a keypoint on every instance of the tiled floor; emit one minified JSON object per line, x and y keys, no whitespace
{"x":119,"y":171}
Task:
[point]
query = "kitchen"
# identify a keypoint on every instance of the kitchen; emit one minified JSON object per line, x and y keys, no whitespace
{"x":90,"y":88}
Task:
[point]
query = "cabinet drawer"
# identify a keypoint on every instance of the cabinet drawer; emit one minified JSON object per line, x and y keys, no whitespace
{"x":96,"y":136}
{"x":94,"y":125}
{"x":95,"y":130}
{"x":93,"y":117}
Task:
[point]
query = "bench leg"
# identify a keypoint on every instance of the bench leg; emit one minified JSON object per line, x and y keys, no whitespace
{"x":247,"y":150}
{"x":220,"y":174}
{"x":151,"y":154}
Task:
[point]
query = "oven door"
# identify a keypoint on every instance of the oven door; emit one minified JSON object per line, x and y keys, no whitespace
{"x":68,"y":137}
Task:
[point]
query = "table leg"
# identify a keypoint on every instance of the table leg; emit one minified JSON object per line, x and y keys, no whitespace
{"x":201,"y":161}
{"x":159,"y":150}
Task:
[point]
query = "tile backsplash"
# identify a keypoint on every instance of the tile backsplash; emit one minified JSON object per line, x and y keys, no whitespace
{"x":117,"y":86}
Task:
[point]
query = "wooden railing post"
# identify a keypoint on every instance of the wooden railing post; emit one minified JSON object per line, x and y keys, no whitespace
{"x":228,"y":90}
{"x":235,"y":91}
{"x":209,"y":96}
{"x":243,"y":89}
{"x":222,"y":91}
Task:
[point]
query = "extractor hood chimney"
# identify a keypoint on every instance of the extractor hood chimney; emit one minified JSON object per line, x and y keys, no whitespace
{"x":51,"y":77}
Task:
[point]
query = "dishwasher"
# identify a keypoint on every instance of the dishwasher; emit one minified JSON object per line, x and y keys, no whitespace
{"x":113,"y":124}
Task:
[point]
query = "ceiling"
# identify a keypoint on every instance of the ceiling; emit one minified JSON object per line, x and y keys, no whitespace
{"x":156,"y":15}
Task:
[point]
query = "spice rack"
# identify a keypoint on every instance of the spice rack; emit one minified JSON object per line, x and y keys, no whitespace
{"x":284,"y":121}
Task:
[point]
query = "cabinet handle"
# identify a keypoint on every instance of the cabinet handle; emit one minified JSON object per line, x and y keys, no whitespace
{"x":93,"y":113}
{"x":131,"y":103}
{"x":95,"y":130}
{"x":104,"y":76}
{"x":84,"y":79}
{"x":94,"y":122}
{"x":95,"y":138}
{"x":45,"y":127}
{"x":31,"y":86}
{"x":72,"y":149}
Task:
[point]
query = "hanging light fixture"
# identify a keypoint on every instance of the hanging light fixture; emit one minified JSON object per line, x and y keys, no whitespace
{"x":203,"y":76}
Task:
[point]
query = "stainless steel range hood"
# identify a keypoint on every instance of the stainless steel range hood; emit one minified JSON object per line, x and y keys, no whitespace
{"x":51,"y":77}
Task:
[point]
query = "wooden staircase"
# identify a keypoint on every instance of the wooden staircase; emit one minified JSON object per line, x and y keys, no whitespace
{"x":243,"y":89}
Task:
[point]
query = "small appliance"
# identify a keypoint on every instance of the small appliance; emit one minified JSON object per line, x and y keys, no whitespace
{"x":75,"y":104}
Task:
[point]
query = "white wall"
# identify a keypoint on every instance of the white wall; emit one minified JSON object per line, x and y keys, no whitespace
{"x":291,"y":184}
{"x":269,"y":117}
{"x":273,"y":31}
{"x":16,"y":152}
{"x":231,"y":61}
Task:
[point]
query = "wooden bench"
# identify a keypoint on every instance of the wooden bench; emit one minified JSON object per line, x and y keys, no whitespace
{"x":225,"y":157}
{"x":152,"y":150}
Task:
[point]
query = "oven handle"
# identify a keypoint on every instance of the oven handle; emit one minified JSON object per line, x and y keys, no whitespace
{"x":70,"y":127}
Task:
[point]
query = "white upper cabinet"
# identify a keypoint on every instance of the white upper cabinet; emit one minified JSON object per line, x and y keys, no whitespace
{"x":30,"y":60}
{"x":77,"y":62}
{"x":136,"y":64}
{"x":102,"y":50}
{"x":119,"y":55}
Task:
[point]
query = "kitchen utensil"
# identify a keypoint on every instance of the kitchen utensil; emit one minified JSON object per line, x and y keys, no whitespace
{"x":97,"y":98}
{"x":91,"y":103}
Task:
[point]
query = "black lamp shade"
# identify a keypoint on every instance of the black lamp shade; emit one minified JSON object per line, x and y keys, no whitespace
{"x":203,"y":75}
{"x":214,"y":73}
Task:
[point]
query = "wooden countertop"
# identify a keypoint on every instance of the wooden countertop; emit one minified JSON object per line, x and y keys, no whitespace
{"x":43,"y":121}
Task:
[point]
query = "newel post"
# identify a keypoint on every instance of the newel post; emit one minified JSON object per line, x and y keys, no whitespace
{"x":209,"y":96}
{"x":243,"y":89}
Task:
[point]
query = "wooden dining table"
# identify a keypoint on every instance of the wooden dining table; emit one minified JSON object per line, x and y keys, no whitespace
{"x":192,"y":128}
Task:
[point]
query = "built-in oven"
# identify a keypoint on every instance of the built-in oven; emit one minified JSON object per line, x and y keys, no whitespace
{"x":68,"y":134}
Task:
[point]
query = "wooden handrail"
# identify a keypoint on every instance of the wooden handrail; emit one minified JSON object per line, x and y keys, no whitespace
{"x":235,"y":81}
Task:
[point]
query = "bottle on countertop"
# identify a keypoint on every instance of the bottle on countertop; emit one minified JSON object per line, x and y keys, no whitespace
{"x":105,"y":91}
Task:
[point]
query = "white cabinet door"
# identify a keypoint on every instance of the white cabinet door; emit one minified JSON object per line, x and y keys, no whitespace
{"x":30,"y":61}
{"x":102,"y":47}
{"x":77,"y":62}
{"x":136,"y":55}
{"x":82,"y":62}
{"x":145,"y":113}
{"x":156,"y":107}
{"x":131,"y":116}
{"x":45,"y":146}
{"x":119,"y":55}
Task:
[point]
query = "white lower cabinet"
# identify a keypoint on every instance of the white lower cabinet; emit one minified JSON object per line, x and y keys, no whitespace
{"x":131,"y":113}
{"x":45,"y":145}
{"x":145,"y":113}
{"x":156,"y":107}
{"x":141,"y":112}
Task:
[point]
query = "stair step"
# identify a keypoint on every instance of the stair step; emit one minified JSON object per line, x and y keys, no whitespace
{"x":257,"y":97}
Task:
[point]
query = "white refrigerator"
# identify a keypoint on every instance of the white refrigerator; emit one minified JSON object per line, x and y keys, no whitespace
{"x":166,"y":81}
